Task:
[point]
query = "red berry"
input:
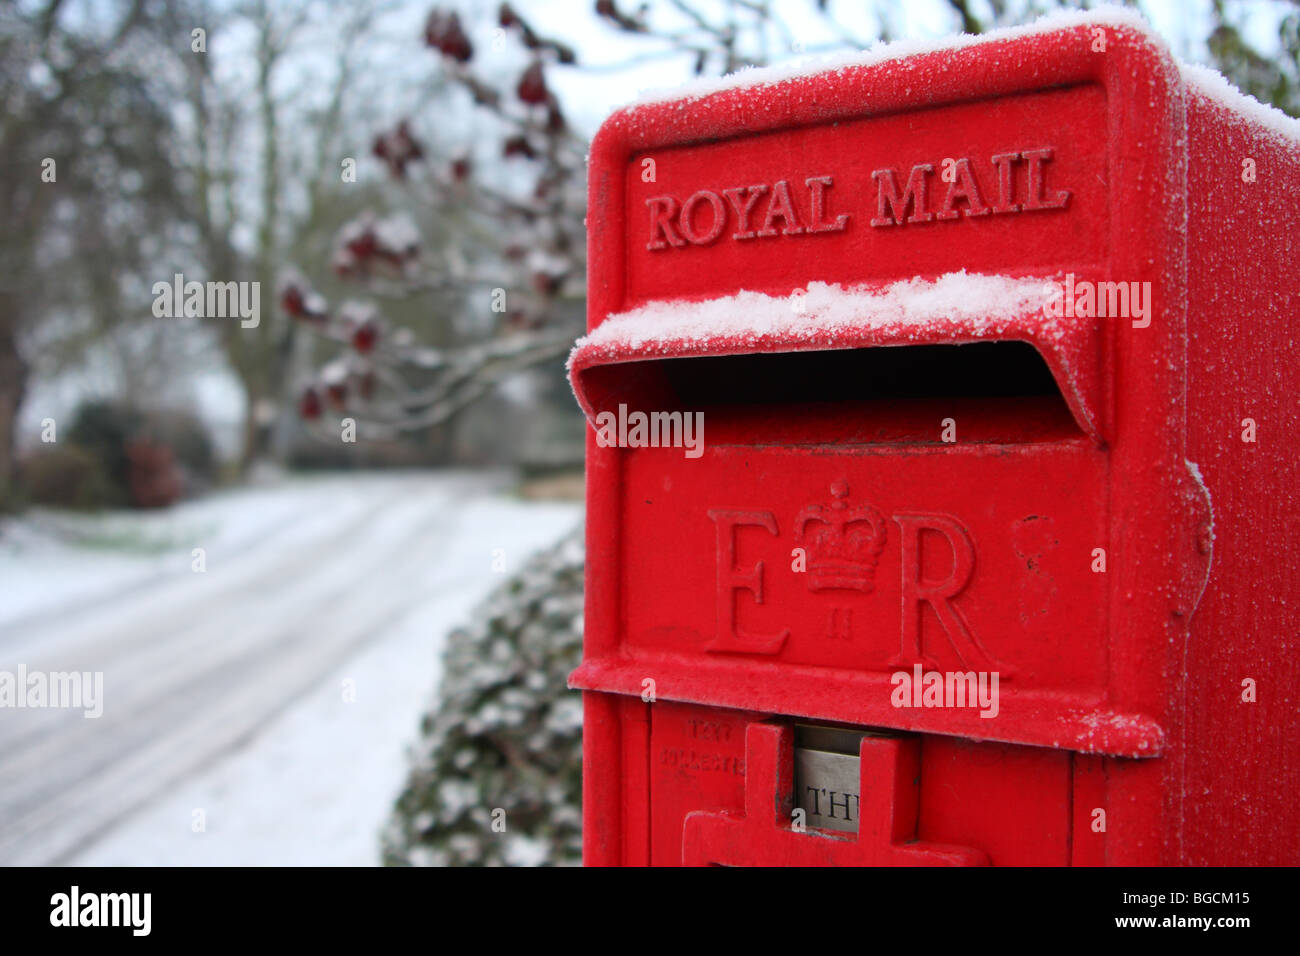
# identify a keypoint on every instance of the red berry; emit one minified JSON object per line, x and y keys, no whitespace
{"x":506,"y":16}
{"x":406,"y":140}
{"x":532,"y":85}
{"x":398,"y":148}
{"x":291,"y":300}
{"x":547,"y":283}
{"x":337,"y":394}
{"x":309,"y":406}
{"x":554,"y":118}
{"x":444,"y":33}
{"x":364,"y":337}
{"x":364,"y":245}
{"x":519,"y":146}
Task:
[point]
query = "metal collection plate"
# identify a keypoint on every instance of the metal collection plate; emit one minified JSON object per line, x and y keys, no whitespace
{"x":826,"y":789}
{"x":827,"y":775}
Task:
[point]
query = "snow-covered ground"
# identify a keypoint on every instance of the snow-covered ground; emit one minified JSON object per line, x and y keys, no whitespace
{"x":256,"y":712}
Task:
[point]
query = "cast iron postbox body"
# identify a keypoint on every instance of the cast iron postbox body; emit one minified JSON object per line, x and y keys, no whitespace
{"x":926,"y":455}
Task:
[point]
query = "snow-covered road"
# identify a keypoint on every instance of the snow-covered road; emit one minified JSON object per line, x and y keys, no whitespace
{"x":202,"y":668}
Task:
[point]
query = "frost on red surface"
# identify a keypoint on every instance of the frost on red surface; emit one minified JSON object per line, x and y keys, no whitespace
{"x":1175,"y":183}
{"x":980,"y":302}
{"x":1204,"y":80}
{"x":955,"y":307}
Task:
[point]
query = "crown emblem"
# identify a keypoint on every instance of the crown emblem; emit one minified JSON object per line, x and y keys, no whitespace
{"x":842,"y":543}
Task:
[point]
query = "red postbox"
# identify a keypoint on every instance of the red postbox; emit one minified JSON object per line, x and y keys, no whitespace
{"x":941,"y":493}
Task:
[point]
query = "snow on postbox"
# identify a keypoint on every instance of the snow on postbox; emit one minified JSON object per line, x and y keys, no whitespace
{"x":916,"y":390}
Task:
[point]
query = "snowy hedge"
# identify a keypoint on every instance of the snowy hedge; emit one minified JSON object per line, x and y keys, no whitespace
{"x":503,"y":745}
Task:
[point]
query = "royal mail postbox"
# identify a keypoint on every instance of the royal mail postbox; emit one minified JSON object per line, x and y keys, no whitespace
{"x":941,"y":486}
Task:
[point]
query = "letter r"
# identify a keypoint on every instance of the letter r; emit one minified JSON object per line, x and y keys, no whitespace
{"x":917,"y":591}
{"x":663,"y":209}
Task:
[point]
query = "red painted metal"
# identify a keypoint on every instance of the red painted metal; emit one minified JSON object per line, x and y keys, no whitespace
{"x":1121,"y":733}
{"x":761,"y":836}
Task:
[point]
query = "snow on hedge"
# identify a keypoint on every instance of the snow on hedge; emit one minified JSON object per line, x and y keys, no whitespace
{"x":504,"y":742}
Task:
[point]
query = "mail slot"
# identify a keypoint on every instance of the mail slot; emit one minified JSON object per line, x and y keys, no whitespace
{"x":827,"y":777}
{"x":939,"y":492}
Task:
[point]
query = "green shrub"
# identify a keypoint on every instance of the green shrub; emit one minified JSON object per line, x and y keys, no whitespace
{"x":68,"y":476}
{"x":505,"y":733}
{"x":142,"y":459}
{"x":103,"y":429}
{"x":191,"y":445}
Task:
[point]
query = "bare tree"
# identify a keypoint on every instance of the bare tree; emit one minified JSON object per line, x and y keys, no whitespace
{"x":529,"y":257}
{"x":249,"y":144}
{"x":88,"y":194}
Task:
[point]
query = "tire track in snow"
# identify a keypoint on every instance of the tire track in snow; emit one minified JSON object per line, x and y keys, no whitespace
{"x":147,"y":578}
{"x":217,"y":670}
